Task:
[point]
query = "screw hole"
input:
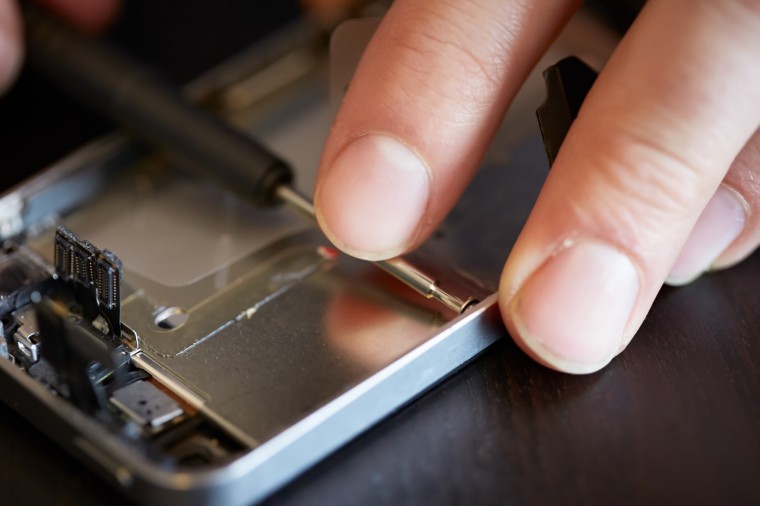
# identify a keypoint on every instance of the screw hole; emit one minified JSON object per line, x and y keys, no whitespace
{"x":171,"y":318}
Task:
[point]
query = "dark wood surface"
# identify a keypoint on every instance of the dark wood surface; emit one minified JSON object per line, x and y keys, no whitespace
{"x":673,"y":420}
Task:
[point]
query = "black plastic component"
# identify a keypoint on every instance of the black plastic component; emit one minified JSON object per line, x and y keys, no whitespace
{"x":567,"y":84}
{"x":132,"y":96}
{"x":23,"y":296}
{"x":43,"y":372}
{"x":80,"y":359}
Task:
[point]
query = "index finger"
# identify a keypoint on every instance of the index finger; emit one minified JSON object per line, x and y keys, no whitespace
{"x":423,"y":105}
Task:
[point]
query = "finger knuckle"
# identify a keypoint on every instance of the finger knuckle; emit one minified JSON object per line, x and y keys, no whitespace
{"x":439,"y":43}
{"x":645,"y":187}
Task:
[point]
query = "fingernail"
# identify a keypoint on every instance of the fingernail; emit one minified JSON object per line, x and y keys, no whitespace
{"x":372,"y":199}
{"x":572,"y":311}
{"x":720,"y":223}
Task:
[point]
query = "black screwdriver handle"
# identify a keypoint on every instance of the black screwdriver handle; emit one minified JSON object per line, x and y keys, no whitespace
{"x":136,"y":99}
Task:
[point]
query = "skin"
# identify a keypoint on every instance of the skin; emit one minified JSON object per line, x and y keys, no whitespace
{"x":89,"y":15}
{"x":657,"y":180}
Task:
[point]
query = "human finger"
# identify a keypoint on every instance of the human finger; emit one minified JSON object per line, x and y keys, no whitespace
{"x":420,"y":110}
{"x":728,"y":229}
{"x":10,"y":42}
{"x":675,"y":105}
{"x":88,"y":15}
{"x":328,"y":13}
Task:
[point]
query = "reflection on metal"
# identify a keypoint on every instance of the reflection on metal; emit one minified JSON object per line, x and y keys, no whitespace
{"x":11,"y":219}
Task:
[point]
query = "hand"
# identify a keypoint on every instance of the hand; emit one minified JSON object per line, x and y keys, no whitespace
{"x":89,"y":15}
{"x":657,"y":180}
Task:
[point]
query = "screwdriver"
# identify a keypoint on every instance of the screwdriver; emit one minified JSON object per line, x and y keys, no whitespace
{"x":112,"y":84}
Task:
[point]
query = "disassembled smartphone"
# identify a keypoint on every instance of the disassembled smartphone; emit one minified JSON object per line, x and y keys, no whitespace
{"x":191,"y":347}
